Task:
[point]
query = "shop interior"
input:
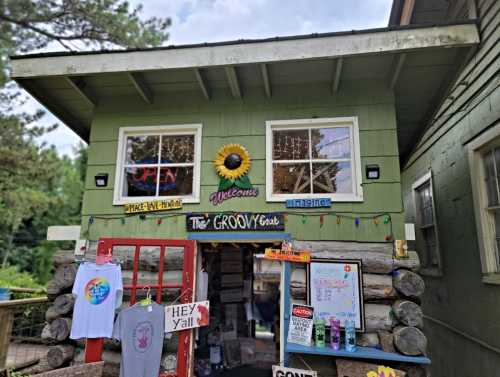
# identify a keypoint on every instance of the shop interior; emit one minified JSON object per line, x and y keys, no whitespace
{"x":244,"y":295}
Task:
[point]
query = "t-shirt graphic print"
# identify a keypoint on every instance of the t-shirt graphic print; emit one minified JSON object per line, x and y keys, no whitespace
{"x":98,"y":291}
{"x":140,"y":329}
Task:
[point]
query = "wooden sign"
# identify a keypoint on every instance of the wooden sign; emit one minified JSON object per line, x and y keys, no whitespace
{"x":279,"y":371}
{"x":224,"y":222}
{"x":336,"y":290}
{"x":290,"y":256}
{"x":309,"y":203}
{"x":153,"y":206}
{"x":301,"y":325}
{"x":186,"y":316}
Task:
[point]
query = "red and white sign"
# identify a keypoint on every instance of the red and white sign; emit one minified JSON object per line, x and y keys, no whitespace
{"x":301,"y":325}
{"x":186,"y":316}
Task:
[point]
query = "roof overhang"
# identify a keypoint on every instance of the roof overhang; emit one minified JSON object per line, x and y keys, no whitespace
{"x":66,"y":83}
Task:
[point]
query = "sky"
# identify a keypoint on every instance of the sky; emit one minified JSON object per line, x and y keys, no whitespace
{"x":195,"y":21}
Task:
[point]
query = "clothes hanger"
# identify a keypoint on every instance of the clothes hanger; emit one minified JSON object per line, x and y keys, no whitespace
{"x":146,"y":301}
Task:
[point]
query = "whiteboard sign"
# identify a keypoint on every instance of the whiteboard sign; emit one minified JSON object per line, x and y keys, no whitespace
{"x":336,"y":290}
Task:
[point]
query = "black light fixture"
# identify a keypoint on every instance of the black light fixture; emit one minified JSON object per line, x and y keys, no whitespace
{"x":101,"y":179}
{"x":372,"y":172}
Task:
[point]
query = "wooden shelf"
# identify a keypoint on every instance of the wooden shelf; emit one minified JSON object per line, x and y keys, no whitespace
{"x":361,"y":353}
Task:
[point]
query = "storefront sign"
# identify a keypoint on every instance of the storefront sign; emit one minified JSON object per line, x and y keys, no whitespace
{"x":336,"y":290}
{"x":301,"y":325}
{"x":290,"y":256}
{"x":222,"y":222}
{"x":153,"y":206}
{"x":309,"y":203}
{"x":218,"y":197}
{"x":279,"y":371}
{"x":186,"y":316}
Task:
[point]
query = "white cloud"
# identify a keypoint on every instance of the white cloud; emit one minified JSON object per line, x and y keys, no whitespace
{"x":196,"y":21}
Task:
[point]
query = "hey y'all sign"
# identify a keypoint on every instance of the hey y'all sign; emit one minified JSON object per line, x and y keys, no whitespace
{"x":186,"y":316}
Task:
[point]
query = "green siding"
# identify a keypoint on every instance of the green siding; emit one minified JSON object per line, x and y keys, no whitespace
{"x":226,"y":120}
{"x":459,"y":298}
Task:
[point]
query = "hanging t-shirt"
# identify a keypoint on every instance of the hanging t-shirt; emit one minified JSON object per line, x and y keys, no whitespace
{"x":98,"y":290}
{"x":140,"y":330}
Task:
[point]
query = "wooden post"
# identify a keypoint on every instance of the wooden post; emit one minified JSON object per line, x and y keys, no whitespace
{"x":6,"y":319}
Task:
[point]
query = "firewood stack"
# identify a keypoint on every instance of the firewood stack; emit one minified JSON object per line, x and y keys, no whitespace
{"x":56,"y":332}
{"x":392,"y":290}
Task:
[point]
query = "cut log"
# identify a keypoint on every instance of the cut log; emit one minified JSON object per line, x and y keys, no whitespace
{"x":151,"y":278}
{"x":64,"y":304}
{"x":56,"y":331}
{"x":375,"y":286}
{"x":378,"y":317}
{"x":51,"y":314}
{"x":377,"y":258}
{"x":60,"y":355}
{"x":90,"y":369}
{"x":41,"y":367}
{"x":350,"y":368}
{"x":61,"y":257}
{"x":367,"y":339}
{"x":410,"y":341}
{"x":410,"y":263}
{"x":63,"y":280}
{"x":408,"y":313}
{"x":408,"y":283}
{"x":378,"y":287}
{"x":386,"y":341}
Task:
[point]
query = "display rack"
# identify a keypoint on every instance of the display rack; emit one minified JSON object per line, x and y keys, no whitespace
{"x":360,"y":353}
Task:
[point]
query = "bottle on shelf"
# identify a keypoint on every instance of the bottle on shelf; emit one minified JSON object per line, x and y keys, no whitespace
{"x":319,"y":325}
{"x":350,"y":336}
{"x":335,"y":333}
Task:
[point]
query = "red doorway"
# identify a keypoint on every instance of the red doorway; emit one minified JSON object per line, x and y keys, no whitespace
{"x":94,"y":347}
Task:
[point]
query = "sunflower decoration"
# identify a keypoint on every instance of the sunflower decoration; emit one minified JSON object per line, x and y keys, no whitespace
{"x":382,"y":372}
{"x":232,"y":164}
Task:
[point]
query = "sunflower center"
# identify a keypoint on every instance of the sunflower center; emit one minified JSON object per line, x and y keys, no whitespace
{"x":233,"y":161}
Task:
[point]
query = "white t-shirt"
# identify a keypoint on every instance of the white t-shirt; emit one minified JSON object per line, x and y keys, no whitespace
{"x":98,"y":290}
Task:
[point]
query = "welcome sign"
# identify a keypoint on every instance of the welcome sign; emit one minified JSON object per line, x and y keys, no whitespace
{"x":186,"y":316}
{"x":224,"y":222}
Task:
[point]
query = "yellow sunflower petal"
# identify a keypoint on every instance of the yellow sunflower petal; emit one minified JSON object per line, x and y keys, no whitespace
{"x":221,"y":156}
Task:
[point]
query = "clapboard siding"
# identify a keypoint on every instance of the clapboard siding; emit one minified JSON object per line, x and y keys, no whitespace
{"x":226,"y":120}
{"x":473,"y":106}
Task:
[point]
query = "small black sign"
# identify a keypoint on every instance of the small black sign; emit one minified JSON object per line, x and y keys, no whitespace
{"x":227,"y":222}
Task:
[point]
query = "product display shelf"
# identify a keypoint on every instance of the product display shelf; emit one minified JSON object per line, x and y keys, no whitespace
{"x":360,"y":353}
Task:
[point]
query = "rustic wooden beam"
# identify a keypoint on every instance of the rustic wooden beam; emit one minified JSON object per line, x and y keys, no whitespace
{"x":336,"y":74}
{"x":141,"y":86}
{"x":202,"y":81}
{"x":396,"y":71}
{"x":407,"y":12}
{"x":267,"y":81}
{"x":234,"y":85}
{"x":472,"y":9}
{"x":80,"y":86}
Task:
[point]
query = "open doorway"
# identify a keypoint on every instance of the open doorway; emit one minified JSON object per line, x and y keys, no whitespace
{"x":243,"y":290}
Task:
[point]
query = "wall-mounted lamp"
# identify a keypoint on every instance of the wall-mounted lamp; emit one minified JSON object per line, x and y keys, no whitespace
{"x":101,"y":179}
{"x":372,"y":172}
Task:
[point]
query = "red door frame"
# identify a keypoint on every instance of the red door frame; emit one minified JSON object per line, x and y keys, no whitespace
{"x":93,"y":350}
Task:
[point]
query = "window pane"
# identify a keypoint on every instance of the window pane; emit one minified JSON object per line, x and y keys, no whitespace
{"x":140,"y":182}
{"x":291,"y":178}
{"x":176,"y":149}
{"x":176,"y":181}
{"x":142,"y":149}
{"x":425,"y":205}
{"x":429,"y":235}
{"x":334,"y":177}
{"x":491,"y":184}
{"x":330,"y":143}
{"x":291,"y":145}
{"x":496,"y":217}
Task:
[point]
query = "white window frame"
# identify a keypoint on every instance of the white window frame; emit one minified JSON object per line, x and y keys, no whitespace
{"x":294,"y":124}
{"x":427,"y":270}
{"x":177,"y":129}
{"x":484,"y":219}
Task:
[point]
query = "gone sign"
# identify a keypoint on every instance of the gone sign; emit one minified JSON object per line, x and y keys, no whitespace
{"x":279,"y":371}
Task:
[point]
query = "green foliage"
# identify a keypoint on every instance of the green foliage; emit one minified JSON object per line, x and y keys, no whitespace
{"x":12,"y":277}
{"x":27,"y":25}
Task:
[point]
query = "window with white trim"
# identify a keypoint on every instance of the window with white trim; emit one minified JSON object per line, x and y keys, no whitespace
{"x":425,"y":213}
{"x":484,"y":160}
{"x":160,"y":162}
{"x":309,"y":158}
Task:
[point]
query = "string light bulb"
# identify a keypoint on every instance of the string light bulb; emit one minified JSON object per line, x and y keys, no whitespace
{"x":321,"y":220}
{"x":356,"y":221}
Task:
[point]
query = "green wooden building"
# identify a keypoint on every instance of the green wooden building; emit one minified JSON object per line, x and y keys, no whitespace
{"x":322,"y":121}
